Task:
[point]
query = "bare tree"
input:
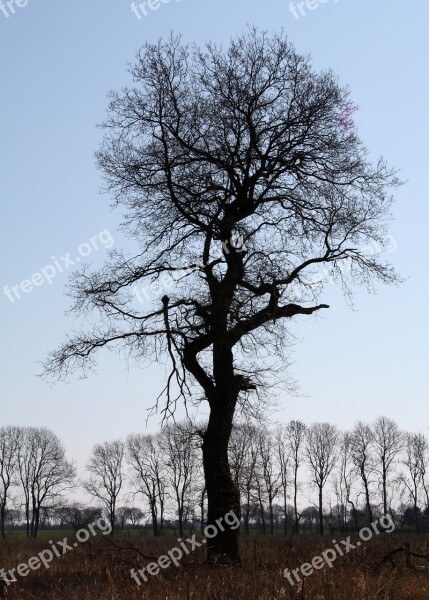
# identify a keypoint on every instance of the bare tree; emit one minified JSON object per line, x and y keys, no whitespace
{"x":9,"y":444}
{"x":128,"y":514}
{"x":343,"y":482}
{"x":270,"y":474}
{"x":422,"y":449}
{"x":388,"y":443}
{"x":362,"y":453}
{"x":44,"y":473}
{"x":415,"y":461}
{"x":239,"y":448}
{"x":243,"y":453}
{"x":77,"y":516}
{"x":322,"y":453}
{"x":106,"y":476}
{"x":296,"y":432}
{"x":135,"y":515}
{"x":237,"y":176}
{"x":145,"y":457}
{"x":283,"y":457}
{"x":179,"y":444}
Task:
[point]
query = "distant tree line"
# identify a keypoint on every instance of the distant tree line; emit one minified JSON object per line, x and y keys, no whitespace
{"x":291,"y":477}
{"x":33,"y":467}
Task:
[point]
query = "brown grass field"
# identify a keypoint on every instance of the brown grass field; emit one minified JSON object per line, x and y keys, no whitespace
{"x":97,"y":570}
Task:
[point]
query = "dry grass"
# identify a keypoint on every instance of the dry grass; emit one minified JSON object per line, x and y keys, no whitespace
{"x":98,"y":571}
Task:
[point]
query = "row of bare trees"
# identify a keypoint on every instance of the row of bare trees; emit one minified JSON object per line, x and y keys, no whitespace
{"x":359,"y":474}
{"x":32,"y":462}
{"x":352,"y":476}
{"x":163,"y":470}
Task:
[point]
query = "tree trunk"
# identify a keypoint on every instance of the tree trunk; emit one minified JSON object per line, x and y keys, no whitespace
{"x":384,"y":488}
{"x":354,"y":513}
{"x":321,"y":529}
{"x":154,"y":519}
{"x":367,"y":498}
{"x":285,"y":512}
{"x":247,"y":513}
{"x":2,"y":521}
{"x":271,"y":517}
{"x":261,"y":511}
{"x":27,"y":518}
{"x":36,"y":520}
{"x":112,"y":521}
{"x":180,"y":519}
{"x":416,"y":509}
{"x":295,"y":499}
{"x":384,"y":495}
{"x":222,"y":494}
{"x":203,"y":495}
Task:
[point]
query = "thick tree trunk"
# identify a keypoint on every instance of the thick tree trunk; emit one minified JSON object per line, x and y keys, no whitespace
{"x":222,"y":494}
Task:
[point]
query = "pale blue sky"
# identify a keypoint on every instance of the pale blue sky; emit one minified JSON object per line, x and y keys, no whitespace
{"x":58,"y":60}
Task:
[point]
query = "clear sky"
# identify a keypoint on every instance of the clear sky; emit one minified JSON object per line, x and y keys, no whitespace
{"x":58,"y":61}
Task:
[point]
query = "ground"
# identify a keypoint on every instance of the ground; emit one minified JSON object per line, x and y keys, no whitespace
{"x":99,"y":570}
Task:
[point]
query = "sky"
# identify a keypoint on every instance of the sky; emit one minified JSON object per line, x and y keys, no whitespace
{"x":58,"y":60}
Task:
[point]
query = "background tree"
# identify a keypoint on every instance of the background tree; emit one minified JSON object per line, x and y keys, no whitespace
{"x":243,"y":453}
{"x":9,"y":444}
{"x":134,"y":515}
{"x":270,"y":471}
{"x":362,"y":454}
{"x":13,"y":517}
{"x":321,"y":450}
{"x":310,"y":516}
{"x":415,"y":451}
{"x":283,"y":457}
{"x":77,"y":516}
{"x":145,"y":457}
{"x":44,"y":472}
{"x":180,"y":444}
{"x":422,"y":449}
{"x":343,"y":483}
{"x":388,"y":444}
{"x":235,"y":169}
{"x":106,"y":476}
{"x":296,"y":432}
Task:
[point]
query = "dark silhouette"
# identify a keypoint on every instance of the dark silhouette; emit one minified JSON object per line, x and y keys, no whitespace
{"x":240,"y":181}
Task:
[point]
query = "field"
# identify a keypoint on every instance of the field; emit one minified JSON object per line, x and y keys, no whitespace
{"x":99,"y":570}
